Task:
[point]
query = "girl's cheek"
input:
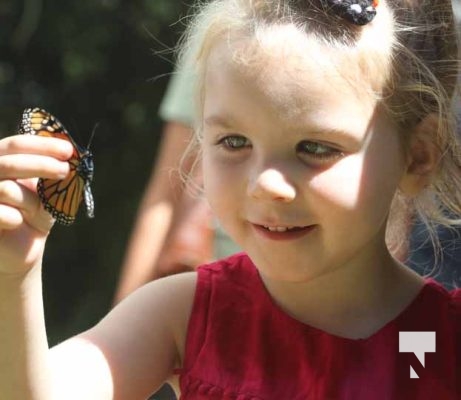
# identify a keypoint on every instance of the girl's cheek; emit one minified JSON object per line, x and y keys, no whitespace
{"x":214,"y":173}
{"x":341,"y":184}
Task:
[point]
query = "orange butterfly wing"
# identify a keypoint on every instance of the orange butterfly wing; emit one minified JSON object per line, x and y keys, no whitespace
{"x":62,"y":198}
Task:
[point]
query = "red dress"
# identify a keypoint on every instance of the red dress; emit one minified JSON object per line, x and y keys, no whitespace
{"x":241,"y":346}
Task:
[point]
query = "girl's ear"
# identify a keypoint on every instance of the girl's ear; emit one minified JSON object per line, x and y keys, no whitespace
{"x":423,"y":156}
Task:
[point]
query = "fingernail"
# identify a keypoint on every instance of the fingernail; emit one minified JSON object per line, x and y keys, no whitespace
{"x":64,"y":171}
{"x":69,"y":148}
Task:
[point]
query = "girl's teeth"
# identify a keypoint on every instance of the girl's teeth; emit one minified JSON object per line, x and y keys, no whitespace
{"x":279,"y":228}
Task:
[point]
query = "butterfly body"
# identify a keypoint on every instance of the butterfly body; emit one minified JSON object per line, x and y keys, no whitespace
{"x":62,"y":198}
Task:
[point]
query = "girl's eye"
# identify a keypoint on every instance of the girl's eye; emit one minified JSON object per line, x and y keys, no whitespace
{"x":318,"y":151}
{"x":234,"y":142}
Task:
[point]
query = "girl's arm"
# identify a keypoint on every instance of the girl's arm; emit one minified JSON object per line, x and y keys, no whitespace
{"x":24,"y":226}
{"x":23,"y":344}
{"x":127,"y":355}
{"x":133,"y":350}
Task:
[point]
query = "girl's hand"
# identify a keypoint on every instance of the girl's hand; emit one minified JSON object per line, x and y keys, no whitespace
{"x":24,"y":223}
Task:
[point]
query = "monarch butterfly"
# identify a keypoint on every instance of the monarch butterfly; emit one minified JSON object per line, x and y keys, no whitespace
{"x":62,"y":198}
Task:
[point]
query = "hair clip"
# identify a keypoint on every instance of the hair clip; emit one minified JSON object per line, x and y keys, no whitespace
{"x":357,"y":12}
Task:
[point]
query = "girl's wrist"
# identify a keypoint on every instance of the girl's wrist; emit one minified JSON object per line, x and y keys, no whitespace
{"x":20,"y":278}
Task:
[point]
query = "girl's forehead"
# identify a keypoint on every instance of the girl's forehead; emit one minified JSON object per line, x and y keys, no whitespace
{"x":286,"y":66}
{"x":287,"y":51}
{"x":249,"y":86}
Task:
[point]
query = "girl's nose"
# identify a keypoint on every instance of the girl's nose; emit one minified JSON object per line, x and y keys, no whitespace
{"x":271,"y":185}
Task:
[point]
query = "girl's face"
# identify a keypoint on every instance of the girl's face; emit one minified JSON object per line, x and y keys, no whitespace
{"x":299,"y":167}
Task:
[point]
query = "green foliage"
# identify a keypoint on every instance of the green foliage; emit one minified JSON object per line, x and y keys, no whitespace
{"x":89,"y":62}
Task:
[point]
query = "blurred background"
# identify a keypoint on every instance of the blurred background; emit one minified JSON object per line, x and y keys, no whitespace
{"x":90,"y":62}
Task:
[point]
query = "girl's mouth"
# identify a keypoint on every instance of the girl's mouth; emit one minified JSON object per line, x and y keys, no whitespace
{"x":284,"y":228}
{"x":283,"y":232}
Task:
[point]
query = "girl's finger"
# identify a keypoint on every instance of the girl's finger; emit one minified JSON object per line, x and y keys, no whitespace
{"x":10,"y":217}
{"x":20,"y":166}
{"x":32,"y":144}
{"x":19,"y":203}
{"x":13,"y":194}
{"x":30,"y":184}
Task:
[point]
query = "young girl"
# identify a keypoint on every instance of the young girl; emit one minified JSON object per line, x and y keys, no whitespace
{"x":325,"y":125}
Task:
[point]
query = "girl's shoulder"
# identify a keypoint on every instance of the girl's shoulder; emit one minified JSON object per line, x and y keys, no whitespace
{"x":442,"y":303}
{"x":174,"y":297}
{"x":237,"y":266}
{"x":455,"y":302}
{"x":223,"y":277}
{"x":452,"y":297}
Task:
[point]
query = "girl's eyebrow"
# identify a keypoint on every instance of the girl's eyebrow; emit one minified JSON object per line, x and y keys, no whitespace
{"x":333,"y":135}
{"x":328,"y":133}
{"x":319,"y":132}
{"x":220,"y":120}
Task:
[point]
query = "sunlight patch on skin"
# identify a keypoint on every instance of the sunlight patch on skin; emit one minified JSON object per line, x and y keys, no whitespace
{"x":87,"y":376}
{"x":350,"y":181}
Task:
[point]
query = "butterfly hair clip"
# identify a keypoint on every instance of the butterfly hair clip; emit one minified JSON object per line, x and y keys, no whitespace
{"x":357,"y":12}
{"x":62,"y":198}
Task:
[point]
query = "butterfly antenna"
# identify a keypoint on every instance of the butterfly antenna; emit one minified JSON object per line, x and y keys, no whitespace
{"x":92,"y":135}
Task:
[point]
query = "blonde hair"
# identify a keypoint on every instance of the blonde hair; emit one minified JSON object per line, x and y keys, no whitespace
{"x":413,"y":70}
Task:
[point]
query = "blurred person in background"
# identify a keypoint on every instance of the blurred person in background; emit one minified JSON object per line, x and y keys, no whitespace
{"x":174,"y":230}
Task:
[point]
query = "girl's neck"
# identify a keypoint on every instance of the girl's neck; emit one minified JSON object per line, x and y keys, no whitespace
{"x":353,"y":301}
